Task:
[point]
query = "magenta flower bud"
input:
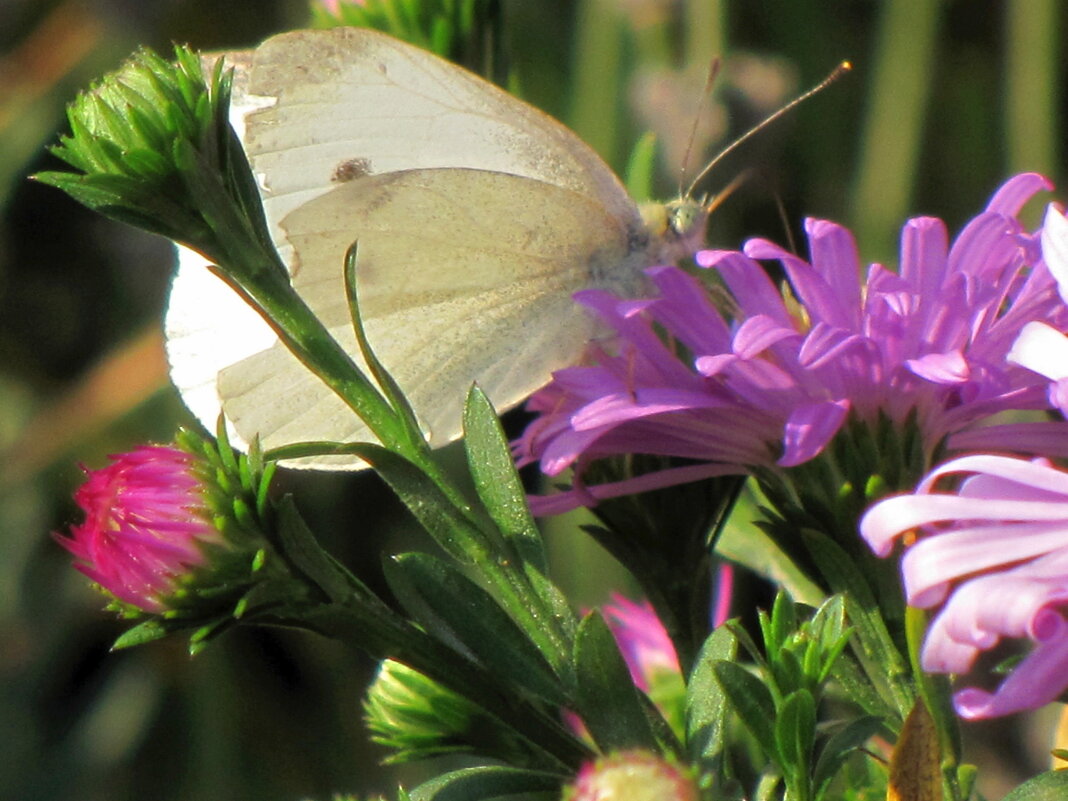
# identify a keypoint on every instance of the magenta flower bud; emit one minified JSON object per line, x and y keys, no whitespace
{"x":632,"y":775}
{"x":147,"y":522}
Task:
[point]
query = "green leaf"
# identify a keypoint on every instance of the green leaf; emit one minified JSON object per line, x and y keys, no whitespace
{"x":608,"y":701}
{"x":838,"y":748}
{"x":783,"y":624}
{"x":880,"y":657}
{"x":795,"y":732}
{"x":149,"y":630}
{"x":849,"y":676}
{"x":300,"y":548}
{"x":451,"y":529}
{"x":452,"y":607}
{"x":751,"y":700}
{"x":706,"y":702}
{"x":474,"y":784}
{"x":497,"y":481}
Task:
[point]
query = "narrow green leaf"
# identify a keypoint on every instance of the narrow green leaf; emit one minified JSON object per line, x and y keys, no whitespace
{"x":497,"y":481}
{"x":851,"y":678}
{"x":149,"y":630}
{"x":450,"y":528}
{"x":608,"y":701}
{"x":452,"y":607}
{"x":795,"y":732}
{"x":783,"y":622}
{"x":751,"y":700}
{"x":839,"y":746}
{"x":300,"y":548}
{"x":390,"y":388}
{"x":473,"y":784}
{"x":706,"y":702}
{"x":881,"y":659}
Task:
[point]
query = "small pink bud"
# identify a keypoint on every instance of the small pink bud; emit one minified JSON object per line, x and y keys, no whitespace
{"x":146,"y":520}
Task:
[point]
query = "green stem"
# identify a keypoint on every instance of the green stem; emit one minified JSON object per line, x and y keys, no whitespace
{"x":935,"y":692}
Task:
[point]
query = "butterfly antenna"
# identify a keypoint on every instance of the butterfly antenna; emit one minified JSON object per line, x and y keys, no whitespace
{"x":720,"y":196}
{"x":710,"y":80}
{"x":836,"y":73}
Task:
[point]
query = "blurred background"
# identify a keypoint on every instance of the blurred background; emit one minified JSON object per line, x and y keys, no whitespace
{"x":946,"y":99}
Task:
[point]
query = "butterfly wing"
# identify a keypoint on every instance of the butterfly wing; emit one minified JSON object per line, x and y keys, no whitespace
{"x":464,"y":275}
{"x":351,"y":102}
{"x":477,"y":217}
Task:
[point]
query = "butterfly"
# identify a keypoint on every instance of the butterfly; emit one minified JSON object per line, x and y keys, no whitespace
{"x":477,"y":217}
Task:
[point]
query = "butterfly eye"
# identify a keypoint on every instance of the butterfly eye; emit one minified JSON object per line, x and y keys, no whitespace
{"x":685,"y":218}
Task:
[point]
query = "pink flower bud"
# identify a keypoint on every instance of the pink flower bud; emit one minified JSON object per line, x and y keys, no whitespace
{"x":146,"y":521}
{"x":632,"y":775}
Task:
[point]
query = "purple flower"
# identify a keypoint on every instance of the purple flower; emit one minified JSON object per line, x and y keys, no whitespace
{"x":146,"y":520}
{"x":993,"y":557}
{"x":771,"y":385}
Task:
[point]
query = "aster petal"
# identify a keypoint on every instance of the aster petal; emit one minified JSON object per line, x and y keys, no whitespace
{"x":942,"y":368}
{"x":558,"y":503}
{"x":809,"y":428}
{"x":812,"y":289}
{"x":941,"y":653}
{"x":1034,"y":682}
{"x":933,"y":563}
{"x":1048,"y":437}
{"x":748,"y":282}
{"x":685,"y":310}
{"x":834,"y":256}
{"x":1043,"y":349}
{"x":1037,"y":474}
{"x":1012,"y":195}
{"x":924,"y":255}
{"x":614,"y":409}
{"x":759,"y":333}
{"x":1055,"y":247}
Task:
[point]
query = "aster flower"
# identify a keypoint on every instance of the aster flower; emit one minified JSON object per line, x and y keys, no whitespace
{"x":146,"y":525}
{"x":992,"y":557}
{"x":769,"y":388}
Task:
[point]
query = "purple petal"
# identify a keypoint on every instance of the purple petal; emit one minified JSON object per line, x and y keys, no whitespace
{"x":1015,"y":192}
{"x":942,"y":368}
{"x":1034,"y":682}
{"x":1055,"y":247}
{"x":809,"y":429}
{"x":757,"y":334}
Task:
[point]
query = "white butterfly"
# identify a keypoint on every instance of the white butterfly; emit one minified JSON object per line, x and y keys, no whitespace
{"x":477,"y":217}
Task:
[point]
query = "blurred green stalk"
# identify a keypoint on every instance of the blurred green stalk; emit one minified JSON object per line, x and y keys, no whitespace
{"x":1031,"y":86}
{"x":704,"y":28}
{"x":597,"y":84}
{"x":892,"y":131}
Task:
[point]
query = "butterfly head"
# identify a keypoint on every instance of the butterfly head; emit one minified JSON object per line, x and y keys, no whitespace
{"x":676,"y":228}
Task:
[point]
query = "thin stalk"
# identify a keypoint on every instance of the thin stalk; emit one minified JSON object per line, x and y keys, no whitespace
{"x":1032,"y":65}
{"x":893,"y":126}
